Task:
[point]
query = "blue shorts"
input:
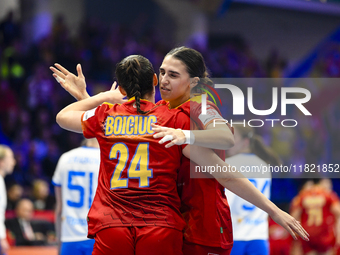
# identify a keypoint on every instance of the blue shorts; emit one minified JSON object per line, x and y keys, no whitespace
{"x":77,"y":248}
{"x":253,"y":247}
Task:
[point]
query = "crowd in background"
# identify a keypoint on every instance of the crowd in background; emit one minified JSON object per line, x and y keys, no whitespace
{"x":30,"y":98}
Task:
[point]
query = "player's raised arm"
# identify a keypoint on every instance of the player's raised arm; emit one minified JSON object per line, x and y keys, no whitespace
{"x":241,"y":186}
{"x":69,"y":118}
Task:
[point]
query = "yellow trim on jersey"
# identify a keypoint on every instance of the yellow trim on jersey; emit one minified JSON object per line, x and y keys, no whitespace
{"x":180,"y":104}
{"x":109,"y":104}
{"x":133,"y":98}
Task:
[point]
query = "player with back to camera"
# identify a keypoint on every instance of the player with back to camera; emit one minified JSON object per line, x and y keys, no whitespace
{"x":7,"y":163}
{"x":176,"y":83}
{"x":75,"y":182}
{"x":250,"y":224}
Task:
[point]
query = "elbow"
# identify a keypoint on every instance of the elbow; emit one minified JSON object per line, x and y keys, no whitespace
{"x":228,"y":141}
{"x":59,"y":119}
{"x":224,"y":181}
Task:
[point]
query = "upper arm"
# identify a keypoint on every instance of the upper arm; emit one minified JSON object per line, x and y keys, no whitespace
{"x":335,"y":209}
{"x":335,"y":205}
{"x":70,"y":120}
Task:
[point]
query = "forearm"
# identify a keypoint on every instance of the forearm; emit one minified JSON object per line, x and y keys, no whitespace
{"x":57,"y":225}
{"x":220,"y":138}
{"x":69,"y":118}
{"x":86,"y":104}
{"x":58,"y":211}
{"x":243,"y":188}
{"x":232,"y":180}
{"x":81,"y":95}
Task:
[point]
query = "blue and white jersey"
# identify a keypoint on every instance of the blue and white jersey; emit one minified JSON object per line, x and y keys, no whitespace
{"x":249,"y":222}
{"x":77,"y":175}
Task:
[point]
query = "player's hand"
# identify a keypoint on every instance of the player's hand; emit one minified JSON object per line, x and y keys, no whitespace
{"x":75,"y":85}
{"x":175,"y":136}
{"x":4,"y":246}
{"x":114,"y":96}
{"x":290,"y":224}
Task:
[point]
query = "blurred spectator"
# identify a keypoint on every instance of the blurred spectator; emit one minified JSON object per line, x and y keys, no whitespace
{"x":41,"y":198}
{"x":25,"y":230}
{"x":7,"y":163}
{"x":9,"y":29}
{"x":14,"y":194}
{"x":275,"y":65}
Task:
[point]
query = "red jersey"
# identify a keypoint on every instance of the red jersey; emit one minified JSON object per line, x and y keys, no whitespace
{"x":316,"y":217}
{"x":204,"y":204}
{"x":137,"y":177}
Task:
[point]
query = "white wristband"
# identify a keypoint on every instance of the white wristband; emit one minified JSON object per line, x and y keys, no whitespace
{"x":189,"y":136}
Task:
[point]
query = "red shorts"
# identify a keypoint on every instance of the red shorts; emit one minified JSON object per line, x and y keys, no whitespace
{"x":138,"y":241}
{"x":197,"y":249}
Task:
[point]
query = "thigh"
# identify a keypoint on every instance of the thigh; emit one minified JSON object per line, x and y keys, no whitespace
{"x":114,"y":241}
{"x":191,"y":248}
{"x":158,"y":241}
{"x":257,"y":247}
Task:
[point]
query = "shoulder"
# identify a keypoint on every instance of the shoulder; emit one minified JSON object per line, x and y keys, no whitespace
{"x":162,"y":102}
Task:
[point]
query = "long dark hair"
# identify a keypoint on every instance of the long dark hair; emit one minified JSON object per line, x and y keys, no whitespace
{"x":257,"y":145}
{"x":195,"y":65}
{"x":135,"y":75}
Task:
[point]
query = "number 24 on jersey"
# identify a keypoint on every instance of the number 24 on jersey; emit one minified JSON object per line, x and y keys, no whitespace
{"x":138,"y":169}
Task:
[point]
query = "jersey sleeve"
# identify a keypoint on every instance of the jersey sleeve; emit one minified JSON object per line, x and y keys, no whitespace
{"x":90,"y":120}
{"x":203,"y":120}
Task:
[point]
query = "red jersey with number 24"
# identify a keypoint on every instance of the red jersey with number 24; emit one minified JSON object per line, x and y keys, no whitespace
{"x":137,"y":177}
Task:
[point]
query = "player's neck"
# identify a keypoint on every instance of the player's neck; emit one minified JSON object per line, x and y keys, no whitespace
{"x":150,"y":98}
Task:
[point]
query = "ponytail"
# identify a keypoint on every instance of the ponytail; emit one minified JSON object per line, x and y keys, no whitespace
{"x":133,"y":68}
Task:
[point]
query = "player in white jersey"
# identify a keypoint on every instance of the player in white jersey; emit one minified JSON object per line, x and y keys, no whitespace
{"x":250,"y":224}
{"x":7,"y":163}
{"x":75,"y":180}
